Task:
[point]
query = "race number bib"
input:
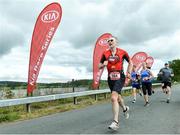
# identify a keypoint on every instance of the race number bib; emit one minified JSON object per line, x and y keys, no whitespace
{"x":114,"y":75}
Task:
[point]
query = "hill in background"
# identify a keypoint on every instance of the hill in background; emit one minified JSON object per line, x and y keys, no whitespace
{"x":76,"y":83}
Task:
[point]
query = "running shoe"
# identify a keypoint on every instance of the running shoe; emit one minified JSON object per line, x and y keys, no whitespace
{"x":114,"y":125}
{"x":146,"y":104}
{"x":126,"y":112}
{"x":134,"y":101}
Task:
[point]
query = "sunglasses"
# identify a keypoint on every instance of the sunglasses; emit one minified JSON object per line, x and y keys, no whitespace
{"x":111,"y":40}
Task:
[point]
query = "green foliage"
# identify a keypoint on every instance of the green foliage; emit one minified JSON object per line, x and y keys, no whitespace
{"x":159,"y":78}
{"x":175,"y":65}
{"x":45,"y":108}
{"x":9,"y":117}
{"x":75,"y":83}
{"x":9,"y":94}
{"x":10,"y":113}
{"x":103,"y":84}
{"x":12,"y":85}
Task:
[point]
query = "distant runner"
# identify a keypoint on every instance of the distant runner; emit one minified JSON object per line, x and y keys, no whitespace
{"x":166,"y":75}
{"x":135,"y":82}
{"x":151,"y":81}
{"x":146,"y":76}
{"x":113,"y":59}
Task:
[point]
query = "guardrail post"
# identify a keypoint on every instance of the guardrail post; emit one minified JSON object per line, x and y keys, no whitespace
{"x":96,"y":97}
{"x":105,"y":95}
{"x":28,"y":106}
{"x":75,"y":98}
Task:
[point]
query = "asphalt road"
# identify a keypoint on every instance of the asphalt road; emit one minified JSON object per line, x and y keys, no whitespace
{"x":158,"y":118}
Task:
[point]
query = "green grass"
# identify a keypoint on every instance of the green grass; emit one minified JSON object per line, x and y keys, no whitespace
{"x":9,"y":113}
{"x":9,"y":117}
{"x":15,"y":113}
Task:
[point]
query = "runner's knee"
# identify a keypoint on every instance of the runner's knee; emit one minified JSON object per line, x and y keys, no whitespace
{"x":114,"y":98}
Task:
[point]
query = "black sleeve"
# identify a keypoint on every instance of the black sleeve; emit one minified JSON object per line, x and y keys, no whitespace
{"x":161,"y":70}
{"x":126,"y":57}
{"x":103,"y":59}
{"x":159,"y":75}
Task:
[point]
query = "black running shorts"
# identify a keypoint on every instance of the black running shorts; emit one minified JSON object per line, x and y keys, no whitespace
{"x":147,"y":88}
{"x":116,"y":85}
{"x":165,"y":84}
{"x":136,"y":86}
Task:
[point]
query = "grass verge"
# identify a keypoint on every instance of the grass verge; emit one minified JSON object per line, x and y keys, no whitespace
{"x":16,"y":113}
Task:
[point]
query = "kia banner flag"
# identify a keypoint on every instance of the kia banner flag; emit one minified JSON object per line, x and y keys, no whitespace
{"x":149,"y":61}
{"x":45,"y":27}
{"x":138,"y":58}
{"x":100,"y":46}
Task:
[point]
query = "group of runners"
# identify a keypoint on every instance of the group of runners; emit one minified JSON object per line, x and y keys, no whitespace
{"x":145,"y":77}
{"x":141,"y":81}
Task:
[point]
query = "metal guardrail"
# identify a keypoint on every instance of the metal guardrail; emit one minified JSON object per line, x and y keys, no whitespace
{"x":28,"y":100}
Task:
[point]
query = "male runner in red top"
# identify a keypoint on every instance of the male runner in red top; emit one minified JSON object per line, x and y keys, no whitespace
{"x":113,"y":59}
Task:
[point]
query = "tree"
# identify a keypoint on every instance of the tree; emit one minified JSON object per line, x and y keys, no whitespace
{"x":175,"y":65}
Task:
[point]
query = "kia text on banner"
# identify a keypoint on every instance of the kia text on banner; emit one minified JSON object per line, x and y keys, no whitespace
{"x":138,"y":58}
{"x":100,"y":47}
{"x":45,"y":27}
{"x":149,"y":61}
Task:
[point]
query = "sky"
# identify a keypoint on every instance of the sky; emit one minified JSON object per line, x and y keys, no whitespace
{"x":152,"y":26}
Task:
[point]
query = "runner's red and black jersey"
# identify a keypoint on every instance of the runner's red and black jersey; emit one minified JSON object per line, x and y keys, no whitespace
{"x":115,"y":63}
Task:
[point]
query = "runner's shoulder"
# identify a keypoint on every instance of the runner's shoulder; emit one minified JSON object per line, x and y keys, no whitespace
{"x":163,"y":68}
{"x":119,"y":49}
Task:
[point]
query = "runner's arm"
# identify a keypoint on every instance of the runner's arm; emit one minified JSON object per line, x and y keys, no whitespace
{"x":160,"y":72}
{"x":151,"y":75}
{"x":129,"y":68}
{"x":130,"y":65}
{"x":103,"y":62}
{"x":172,"y":73}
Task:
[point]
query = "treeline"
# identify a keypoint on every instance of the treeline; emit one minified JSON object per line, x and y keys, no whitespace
{"x":12,"y":85}
{"x":175,"y":65}
{"x":74,"y":83}
{"x":9,"y":85}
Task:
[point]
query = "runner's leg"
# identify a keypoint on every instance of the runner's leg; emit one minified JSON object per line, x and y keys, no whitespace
{"x":134,"y":95}
{"x":121,"y":102}
{"x":169,"y":94}
{"x":115,"y":105}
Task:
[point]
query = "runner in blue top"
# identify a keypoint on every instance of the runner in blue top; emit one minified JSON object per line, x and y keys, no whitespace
{"x":151,"y":82}
{"x":135,"y":80}
{"x":146,"y":76}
